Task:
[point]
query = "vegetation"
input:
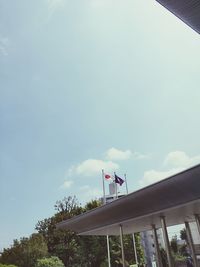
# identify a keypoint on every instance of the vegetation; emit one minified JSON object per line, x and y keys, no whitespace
{"x":50,"y":246}
{"x":25,"y":252}
{"x":49,"y":262}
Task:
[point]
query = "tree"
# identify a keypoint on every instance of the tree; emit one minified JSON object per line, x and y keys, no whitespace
{"x":174,"y":245}
{"x":62,"y":243}
{"x":183,"y":234}
{"x":6,"y":265}
{"x":71,"y":249}
{"x":25,"y":252}
{"x":140,"y":252}
{"x":163,"y":257}
{"x":49,"y":262}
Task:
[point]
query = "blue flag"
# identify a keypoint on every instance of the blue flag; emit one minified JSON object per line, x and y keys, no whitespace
{"x":118,"y":180}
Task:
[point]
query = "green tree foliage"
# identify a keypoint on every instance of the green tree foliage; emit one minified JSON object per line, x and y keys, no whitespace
{"x":7,"y":265}
{"x":183,"y":234}
{"x":49,"y":262}
{"x":73,"y":250}
{"x":140,"y":251}
{"x":174,"y":245}
{"x":25,"y":252}
{"x":62,"y":243}
{"x":163,"y":257}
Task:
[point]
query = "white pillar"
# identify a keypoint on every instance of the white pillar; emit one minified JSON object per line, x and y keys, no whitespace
{"x":135,"y":249}
{"x":191,"y":245}
{"x":157,"y":248}
{"x":108,"y":248}
{"x":197,"y":219}
{"x":166,"y":241}
{"x":122,"y":244}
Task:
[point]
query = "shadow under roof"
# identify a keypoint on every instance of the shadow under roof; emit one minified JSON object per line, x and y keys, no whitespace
{"x":187,"y":10}
{"x":177,"y":198}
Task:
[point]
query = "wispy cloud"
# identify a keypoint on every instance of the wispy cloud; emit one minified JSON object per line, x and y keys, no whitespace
{"x":88,"y":192}
{"x":174,"y":162}
{"x":67,"y":184}
{"x":4,"y":42}
{"x":92,"y":167}
{"x":180,"y":159}
{"x":53,"y":5}
{"x":117,"y":154}
{"x":140,"y":156}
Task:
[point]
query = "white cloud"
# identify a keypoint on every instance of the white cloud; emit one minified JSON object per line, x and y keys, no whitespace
{"x":175,"y":162}
{"x":137,"y":155}
{"x":67,"y":184}
{"x":153,"y":176}
{"x":116,"y":154}
{"x":180,"y":159}
{"x":4,"y":42}
{"x":91,"y":167}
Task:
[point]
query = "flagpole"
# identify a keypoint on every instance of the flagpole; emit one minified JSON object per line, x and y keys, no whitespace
{"x":116,"y":188}
{"x":104,"y":194}
{"x":104,"y":202}
{"x":126,"y":183}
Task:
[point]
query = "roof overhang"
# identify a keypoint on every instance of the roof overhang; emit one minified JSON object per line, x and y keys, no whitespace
{"x":177,"y":198}
{"x":186,"y":10}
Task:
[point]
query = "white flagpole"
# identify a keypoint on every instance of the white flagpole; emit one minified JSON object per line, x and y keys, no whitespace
{"x":108,"y":248}
{"x":126,"y":183}
{"x":135,"y":250}
{"x":116,"y":187}
{"x":104,"y":193}
{"x":104,"y":202}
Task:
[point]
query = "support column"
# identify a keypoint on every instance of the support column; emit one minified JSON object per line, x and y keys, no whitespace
{"x":158,"y":255}
{"x":122,"y":244}
{"x":190,"y":241}
{"x":108,"y":248}
{"x":197,"y":219}
{"x":166,"y":241}
{"x":135,"y":250}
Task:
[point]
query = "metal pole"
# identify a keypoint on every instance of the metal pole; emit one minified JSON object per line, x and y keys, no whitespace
{"x":108,"y":248}
{"x":135,"y":249}
{"x":157,"y":248}
{"x":191,"y":245}
{"x":104,"y":194}
{"x":116,"y":188}
{"x":122,"y":244}
{"x":126,"y":183}
{"x":197,"y":219}
{"x":104,"y":202}
{"x":166,"y":241}
{"x":116,"y":191}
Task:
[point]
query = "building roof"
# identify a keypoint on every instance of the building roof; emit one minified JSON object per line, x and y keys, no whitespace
{"x":177,"y":198}
{"x":187,"y":10}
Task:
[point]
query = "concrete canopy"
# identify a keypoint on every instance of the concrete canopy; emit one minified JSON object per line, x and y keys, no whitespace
{"x":177,"y":198}
{"x":187,"y":10}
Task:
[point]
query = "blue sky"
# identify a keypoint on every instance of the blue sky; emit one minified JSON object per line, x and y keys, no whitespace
{"x":86,"y":85}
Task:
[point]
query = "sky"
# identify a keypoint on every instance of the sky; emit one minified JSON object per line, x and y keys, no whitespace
{"x":87,"y":85}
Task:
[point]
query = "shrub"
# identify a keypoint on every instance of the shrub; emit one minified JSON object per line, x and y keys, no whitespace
{"x":49,"y":262}
{"x":6,"y":265}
